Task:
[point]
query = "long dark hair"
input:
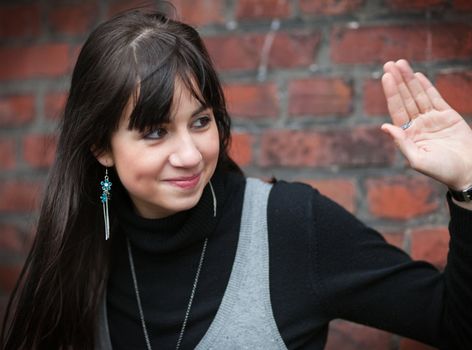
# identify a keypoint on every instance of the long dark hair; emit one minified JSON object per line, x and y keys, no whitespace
{"x":55,"y":302}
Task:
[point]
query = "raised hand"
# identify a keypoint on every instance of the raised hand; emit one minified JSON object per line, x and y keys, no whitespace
{"x":432,"y":136}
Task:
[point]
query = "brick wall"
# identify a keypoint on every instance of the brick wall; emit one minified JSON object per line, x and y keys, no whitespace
{"x":302,"y":81}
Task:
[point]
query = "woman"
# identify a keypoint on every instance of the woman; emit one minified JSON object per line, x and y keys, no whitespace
{"x":175,"y":253}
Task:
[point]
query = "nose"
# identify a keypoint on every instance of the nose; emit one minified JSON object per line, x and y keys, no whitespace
{"x":186,"y":154}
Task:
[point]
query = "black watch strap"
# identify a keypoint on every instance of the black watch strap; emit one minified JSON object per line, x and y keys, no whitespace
{"x":462,"y":196}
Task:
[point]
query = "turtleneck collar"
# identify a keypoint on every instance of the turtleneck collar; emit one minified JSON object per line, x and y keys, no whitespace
{"x":174,"y":232}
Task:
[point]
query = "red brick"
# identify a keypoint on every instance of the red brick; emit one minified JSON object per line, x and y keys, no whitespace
{"x":200,"y":12}
{"x":19,"y":21}
{"x":294,"y":49}
{"x":244,"y":52}
{"x":350,"y":336}
{"x":241,"y":148}
{"x":409,"y":344}
{"x":462,"y":5}
{"x":117,"y":7}
{"x":54,"y":104}
{"x":235,"y":52}
{"x":329,"y":7}
{"x":250,"y":9}
{"x":252,"y":100}
{"x":400,"y":197}
{"x":11,"y":239}
{"x":339,"y":190}
{"x":374,"y":98}
{"x":7,"y":155}
{"x":8,"y":276}
{"x":379,"y":44}
{"x":320,"y":96}
{"x":16,"y":110}
{"x":430,"y":244}
{"x":456,"y":89}
{"x":48,"y":60}
{"x":74,"y":18}
{"x":394,"y":238}
{"x":19,"y":196}
{"x":360,"y":146}
{"x":405,"y":5}
{"x":39,"y":150}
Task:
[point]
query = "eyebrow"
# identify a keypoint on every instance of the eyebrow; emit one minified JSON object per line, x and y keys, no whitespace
{"x":199,"y":110}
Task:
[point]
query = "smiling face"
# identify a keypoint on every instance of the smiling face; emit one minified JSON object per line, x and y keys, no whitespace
{"x":166,"y":170}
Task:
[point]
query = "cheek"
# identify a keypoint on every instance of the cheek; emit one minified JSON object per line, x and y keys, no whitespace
{"x":135,"y":167}
{"x":211,"y":146}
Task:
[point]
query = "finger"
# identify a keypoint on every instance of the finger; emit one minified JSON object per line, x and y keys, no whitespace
{"x":395,"y":105}
{"x":416,"y":89}
{"x":407,"y":98}
{"x":436,"y":99}
{"x":404,"y":143}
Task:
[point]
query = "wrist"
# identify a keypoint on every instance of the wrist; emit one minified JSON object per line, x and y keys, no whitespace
{"x":463,"y":195}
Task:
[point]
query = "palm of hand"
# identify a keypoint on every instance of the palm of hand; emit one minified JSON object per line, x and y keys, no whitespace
{"x":438,"y":141}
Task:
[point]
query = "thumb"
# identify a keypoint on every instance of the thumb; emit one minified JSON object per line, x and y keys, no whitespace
{"x":404,"y":143}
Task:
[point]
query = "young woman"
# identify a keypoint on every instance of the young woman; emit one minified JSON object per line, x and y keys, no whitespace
{"x":182,"y":251}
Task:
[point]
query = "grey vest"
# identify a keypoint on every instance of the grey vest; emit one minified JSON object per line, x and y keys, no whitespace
{"x":244,"y":319}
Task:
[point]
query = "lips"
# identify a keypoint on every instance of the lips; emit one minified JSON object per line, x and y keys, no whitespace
{"x":185,"y":182}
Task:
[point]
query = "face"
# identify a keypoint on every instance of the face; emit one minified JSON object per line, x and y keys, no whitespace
{"x":166,"y":171}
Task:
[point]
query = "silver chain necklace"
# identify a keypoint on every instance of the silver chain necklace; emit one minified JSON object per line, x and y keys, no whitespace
{"x":192,"y":294}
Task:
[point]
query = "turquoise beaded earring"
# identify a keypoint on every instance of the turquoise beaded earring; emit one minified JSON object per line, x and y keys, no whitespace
{"x":106,"y":188}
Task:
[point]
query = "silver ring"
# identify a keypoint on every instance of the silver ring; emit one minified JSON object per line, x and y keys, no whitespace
{"x":407,"y":124}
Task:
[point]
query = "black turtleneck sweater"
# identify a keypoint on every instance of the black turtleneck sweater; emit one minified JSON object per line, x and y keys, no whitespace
{"x":324,"y":264}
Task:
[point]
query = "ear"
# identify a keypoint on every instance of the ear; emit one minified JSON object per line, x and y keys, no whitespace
{"x":105,"y":158}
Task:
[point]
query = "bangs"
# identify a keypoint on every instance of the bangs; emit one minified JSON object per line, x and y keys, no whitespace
{"x":162,"y":59}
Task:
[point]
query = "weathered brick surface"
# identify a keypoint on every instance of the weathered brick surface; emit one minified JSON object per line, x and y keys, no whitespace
{"x":73,"y":19}
{"x":320,"y":96}
{"x":252,"y":100}
{"x":8,"y":276}
{"x":462,"y":5}
{"x":302,"y":80}
{"x":344,"y":148}
{"x":455,"y":88}
{"x":19,"y":196}
{"x":12,"y":239}
{"x":200,"y":12}
{"x":430,"y":244}
{"x":7,"y":154}
{"x":405,"y":5}
{"x":252,"y":9}
{"x":374,"y":98}
{"x":39,"y":150}
{"x":16,"y":110}
{"x":413,"y":42}
{"x":245,"y":52}
{"x":329,"y":7}
{"x":342,"y":191}
{"x":241,"y":148}
{"x":54,"y":104}
{"x":401,"y":197}
{"x":19,"y":21}
{"x":45,"y":60}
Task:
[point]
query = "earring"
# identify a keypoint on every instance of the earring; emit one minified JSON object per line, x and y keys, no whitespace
{"x":214,"y":198}
{"x":106,"y":188}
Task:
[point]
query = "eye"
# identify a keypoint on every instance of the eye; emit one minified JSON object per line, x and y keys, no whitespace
{"x":156,"y":134}
{"x":202,"y":121}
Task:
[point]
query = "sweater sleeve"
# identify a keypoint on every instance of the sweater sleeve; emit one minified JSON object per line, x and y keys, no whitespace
{"x":363,"y":279}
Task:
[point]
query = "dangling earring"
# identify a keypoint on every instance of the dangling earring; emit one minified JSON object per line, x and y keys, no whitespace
{"x":214,"y":198}
{"x":106,"y":188}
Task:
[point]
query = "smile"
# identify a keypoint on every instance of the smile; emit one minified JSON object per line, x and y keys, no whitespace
{"x":185,"y":182}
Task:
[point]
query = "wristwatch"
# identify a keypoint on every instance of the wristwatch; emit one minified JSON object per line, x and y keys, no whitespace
{"x":462,"y":196}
